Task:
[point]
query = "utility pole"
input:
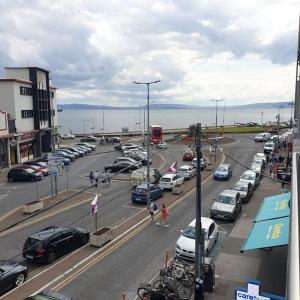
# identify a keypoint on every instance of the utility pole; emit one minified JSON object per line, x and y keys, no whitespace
{"x":148,"y":138}
{"x":262,"y":118}
{"x":216,"y":134}
{"x":199,"y":242}
{"x":278,"y":122}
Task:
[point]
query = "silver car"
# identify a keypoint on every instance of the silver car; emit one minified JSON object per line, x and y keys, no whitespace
{"x":227,"y":205}
{"x":202,"y":163}
{"x":245,"y":189}
{"x":187,"y":172}
{"x":252,"y":177}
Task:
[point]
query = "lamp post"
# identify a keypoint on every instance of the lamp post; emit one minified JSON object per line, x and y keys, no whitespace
{"x":262,"y":118}
{"x":84,"y":126}
{"x":148,"y":138}
{"x":216,"y":141}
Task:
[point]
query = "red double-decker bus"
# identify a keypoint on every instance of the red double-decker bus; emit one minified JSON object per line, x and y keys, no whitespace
{"x":156,"y":133}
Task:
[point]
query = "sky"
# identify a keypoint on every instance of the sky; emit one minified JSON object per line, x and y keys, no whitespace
{"x":240,"y":51}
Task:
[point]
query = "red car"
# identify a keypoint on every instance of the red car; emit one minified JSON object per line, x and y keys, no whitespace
{"x":189,"y":155}
{"x":41,"y":169}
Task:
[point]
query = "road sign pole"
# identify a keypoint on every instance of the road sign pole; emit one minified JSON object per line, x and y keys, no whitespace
{"x":67,"y":171}
{"x":51,"y":188}
{"x":55,"y":184}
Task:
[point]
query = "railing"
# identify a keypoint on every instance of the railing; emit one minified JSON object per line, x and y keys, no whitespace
{"x":292,"y":284}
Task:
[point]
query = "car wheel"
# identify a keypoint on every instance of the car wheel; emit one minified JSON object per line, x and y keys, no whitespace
{"x":51,"y":257}
{"x":10,"y":179}
{"x":19,"y":279}
{"x":32,"y":179}
{"x":217,"y":237}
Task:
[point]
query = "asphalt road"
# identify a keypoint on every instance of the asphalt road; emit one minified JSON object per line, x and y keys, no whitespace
{"x":139,"y":259}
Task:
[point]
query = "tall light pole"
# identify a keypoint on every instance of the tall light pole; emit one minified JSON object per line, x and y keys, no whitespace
{"x":148,"y":138}
{"x":84,"y":126}
{"x":262,"y":118}
{"x":216,"y":141}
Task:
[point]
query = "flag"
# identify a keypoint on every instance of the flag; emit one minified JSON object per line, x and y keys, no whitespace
{"x":94,"y":205}
{"x":173,"y":167}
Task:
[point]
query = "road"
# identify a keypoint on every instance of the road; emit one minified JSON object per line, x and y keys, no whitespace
{"x":138,"y":259}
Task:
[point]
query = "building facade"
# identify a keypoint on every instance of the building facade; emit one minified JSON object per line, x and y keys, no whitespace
{"x":30,"y":103}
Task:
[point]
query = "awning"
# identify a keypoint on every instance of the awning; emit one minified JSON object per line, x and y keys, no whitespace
{"x":274,"y":207}
{"x":268,"y":233}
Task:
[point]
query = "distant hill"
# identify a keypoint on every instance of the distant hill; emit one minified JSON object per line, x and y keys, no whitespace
{"x":171,"y":106}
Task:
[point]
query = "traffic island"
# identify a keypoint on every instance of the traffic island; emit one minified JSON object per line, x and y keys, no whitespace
{"x":101,"y":237}
{"x":33,"y":206}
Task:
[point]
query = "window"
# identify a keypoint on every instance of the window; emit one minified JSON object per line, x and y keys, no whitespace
{"x":25,"y":91}
{"x":26,"y":114}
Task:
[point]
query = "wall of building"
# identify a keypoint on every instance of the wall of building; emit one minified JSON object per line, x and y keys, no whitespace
{"x":19,"y":73}
{"x":7,"y":98}
{"x":23,"y":102}
{"x":54,"y":106}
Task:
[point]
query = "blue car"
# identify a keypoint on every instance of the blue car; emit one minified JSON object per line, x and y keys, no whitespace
{"x":139,"y":194}
{"x":223,"y":172}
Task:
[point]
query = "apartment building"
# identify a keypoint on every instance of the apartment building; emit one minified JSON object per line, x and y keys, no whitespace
{"x":29,"y":100}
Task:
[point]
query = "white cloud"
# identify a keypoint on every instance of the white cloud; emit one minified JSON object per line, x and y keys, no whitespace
{"x":236,"y":50}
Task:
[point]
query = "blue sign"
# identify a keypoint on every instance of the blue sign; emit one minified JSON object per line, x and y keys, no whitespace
{"x":252,"y":292}
{"x":52,"y":173}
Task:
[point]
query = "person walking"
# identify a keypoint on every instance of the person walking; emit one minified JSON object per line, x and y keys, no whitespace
{"x":164,"y":216}
{"x":91,"y":176}
{"x":271,"y":169}
{"x":153,"y":208}
{"x":96,"y":177}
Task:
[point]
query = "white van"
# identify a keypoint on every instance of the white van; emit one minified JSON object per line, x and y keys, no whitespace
{"x":262,"y":137}
{"x":139,"y":176}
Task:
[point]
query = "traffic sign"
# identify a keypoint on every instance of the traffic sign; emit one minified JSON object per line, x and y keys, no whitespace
{"x":52,"y":173}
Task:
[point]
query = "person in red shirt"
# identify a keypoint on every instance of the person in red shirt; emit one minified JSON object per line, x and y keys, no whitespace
{"x":164,"y":216}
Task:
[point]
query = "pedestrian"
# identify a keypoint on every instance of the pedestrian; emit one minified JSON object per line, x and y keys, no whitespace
{"x":153,"y":208}
{"x":91,"y":176}
{"x":96,"y":177}
{"x":271,"y":169}
{"x":164,"y":216}
{"x":107,"y":177}
{"x":268,"y":158}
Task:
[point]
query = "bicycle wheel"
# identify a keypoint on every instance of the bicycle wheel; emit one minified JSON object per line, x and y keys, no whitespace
{"x":188,"y":280}
{"x":143,"y":292}
{"x":184,"y":292}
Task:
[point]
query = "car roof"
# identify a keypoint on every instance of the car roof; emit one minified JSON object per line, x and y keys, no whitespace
{"x":242,"y":182}
{"x":248,"y":172}
{"x":206,"y":222}
{"x":169,"y":175}
{"x":185,"y":166}
{"x":224,"y":165}
{"x":143,"y":185}
{"x":47,"y":232}
{"x":231,"y":193}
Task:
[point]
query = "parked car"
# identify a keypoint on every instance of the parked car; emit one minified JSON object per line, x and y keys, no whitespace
{"x":52,"y":242}
{"x":187,"y":172}
{"x":140,"y":176}
{"x":65,"y":154}
{"x":245,"y":189}
{"x":203,"y":163}
{"x":43,"y":170}
{"x":227,"y":205}
{"x":49,"y":295}
{"x":139,"y":151}
{"x":168,"y":181}
{"x":185,"y":246}
{"x":39,"y":163}
{"x":139,"y":194}
{"x":67,"y":136}
{"x":89,"y":139}
{"x":73,"y":149}
{"x":93,"y":147}
{"x":260,"y":158}
{"x":257,"y":168}
{"x":122,"y":166}
{"x":269,"y":147}
{"x":140,"y":158}
{"x":24,"y":174}
{"x":138,"y":164}
{"x":128,"y":149}
{"x":223,"y":172}
{"x":118,"y":147}
{"x":188,"y":155}
{"x":252,"y":177}
{"x":126,"y":145}
{"x":12,"y":274}
{"x":162,"y":145}
{"x":84,"y":148}
{"x":75,"y":153}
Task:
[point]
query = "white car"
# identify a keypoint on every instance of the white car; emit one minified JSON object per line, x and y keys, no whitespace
{"x":168,"y":181}
{"x":185,"y":246}
{"x":257,"y":168}
{"x":126,"y":145}
{"x":187,"y":172}
{"x":135,"y":151}
{"x":93,"y":147}
{"x":128,"y":159}
{"x":269,"y":147}
{"x":202,"y":163}
{"x":251,"y":177}
{"x":162,"y":145}
{"x":262,"y":137}
{"x":67,"y":136}
{"x":262,"y":156}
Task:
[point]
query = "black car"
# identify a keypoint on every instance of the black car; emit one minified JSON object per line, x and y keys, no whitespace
{"x":53,"y":242}
{"x":89,"y":139}
{"x":123,"y":166}
{"x":138,"y":157}
{"x":118,"y":146}
{"x":24,"y":174}
{"x":12,"y":274}
{"x":49,"y":295}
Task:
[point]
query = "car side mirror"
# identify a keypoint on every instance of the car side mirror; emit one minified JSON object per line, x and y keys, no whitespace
{"x":215,"y":199}
{"x":181,"y":231}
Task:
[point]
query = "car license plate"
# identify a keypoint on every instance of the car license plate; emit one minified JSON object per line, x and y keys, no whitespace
{"x":138,"y":199}
{"x":29,"y":256}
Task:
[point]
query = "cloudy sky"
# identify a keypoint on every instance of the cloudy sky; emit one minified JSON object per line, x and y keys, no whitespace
{"x":240,"y":51}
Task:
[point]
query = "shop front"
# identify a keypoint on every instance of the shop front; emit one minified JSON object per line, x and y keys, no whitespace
{"x":26,"y":146}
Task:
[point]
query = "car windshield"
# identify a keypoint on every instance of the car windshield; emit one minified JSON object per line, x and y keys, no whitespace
{"x":226,"y":199}
{"x":140,"y":190}
{"x":240,"y":187}
{"x":183,"y":169}
{"x":190,"y":232}
{"x":247,"y":177}
{"x":269,"y":145}
{"x":221,"y":169}
{"x":165,"y":179}
{"x":30,"y":170}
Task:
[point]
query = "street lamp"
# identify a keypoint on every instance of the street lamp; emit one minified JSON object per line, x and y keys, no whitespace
{"x":216,"y":141}
{"x":84,"y":126}
{"x":148,"y":138}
